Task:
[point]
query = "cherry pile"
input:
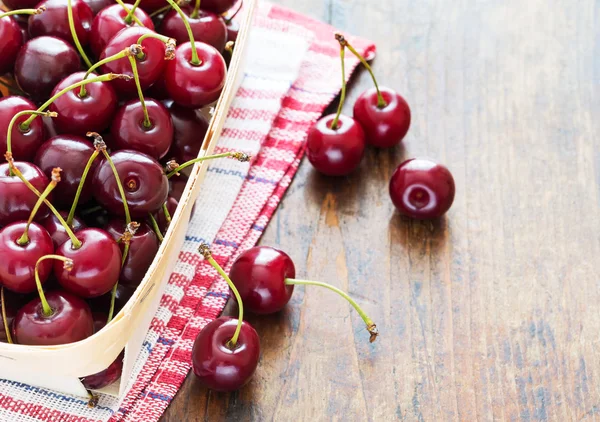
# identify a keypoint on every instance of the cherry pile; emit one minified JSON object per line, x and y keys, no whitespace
{"x":105,"y":103}
{"x":420,"y":188}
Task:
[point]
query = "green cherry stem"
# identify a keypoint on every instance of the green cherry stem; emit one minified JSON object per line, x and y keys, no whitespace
{"x":371,"y":327}
{"x":174,"y":168}
{"x":160,"y":11}
{"x":196,"y":11}
{"x":166,"y":213}
{"x":24,"y":239}
{"x":4,"y":318}
{"x":16,"y":117}
{"x":155,"y":227}
{"x":147,"y":123}
{"x":102,"y":78}
{"x":381,"y":103}
{"x":86,"y":170}
{"x":37,"y":11}
{"x":334,"y":124}
{"x":124,"y":53}
{"x":99,"y":141}
{"x":74,"y":35}
{"x":76,"y":242}
{"x":47,"y":311}
{"x":129,"y":232}
{"x":195,"y":60}
{"x":204,"y":249}
{"x":129,"y":17}
{"x":133,"y":16}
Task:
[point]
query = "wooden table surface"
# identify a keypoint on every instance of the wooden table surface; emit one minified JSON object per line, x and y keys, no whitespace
{"x":491,"y":313}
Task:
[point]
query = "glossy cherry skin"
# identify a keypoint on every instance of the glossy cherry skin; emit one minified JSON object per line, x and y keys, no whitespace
{"x":71,"y":321}
{"x":23,"y":143}
{"x":10,"y":43}
{"x":16,"y":200}
{"x":110,"y":21}
{"x":384,"y":127}
{"x":335,"y":152}
{"x":218,"y":6}
{"x":55,"y":22}
{"x":20,"y":4}
{"x":128,"y":130}
{"x":80,"y":115}
{"x":190,"y":129}
{"x":152,"y":5}
{"x":259,"y":275}
{"x":195,"y":86}
{"x":106,"y":377}
{"x":177,"y":186}
{"x":96,"y":264}
{"x":142,"y":250}
{"x":57,"y":231}
{"x":421,"y":188}
{"x":71,"y":154}
{"x":42,"y":63}
{"x":149,"y":69}
{"x":216,"y":365}
{"x":18,"y":273}
{"x":98,"y":5}
{"x":145,"y":184}
{"x":208,"y":27}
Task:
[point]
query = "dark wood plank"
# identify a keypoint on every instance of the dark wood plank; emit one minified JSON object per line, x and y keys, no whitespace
{"x":488,"y":314}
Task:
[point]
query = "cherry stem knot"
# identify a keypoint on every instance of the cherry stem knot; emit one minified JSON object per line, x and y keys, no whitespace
{"x":195,"y":59}
{"x":381,"y":103}
{"x":37,"y":11}
{"x":335,"y":122}
{"x":47,"y":311}
{"x":240,"y":156}
{"x":204,"y":250}
{"x":4,"y":318}
{"x":371,"y":327}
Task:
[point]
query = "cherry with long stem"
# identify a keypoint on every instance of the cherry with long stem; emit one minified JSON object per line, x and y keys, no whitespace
{"x":130,"y":13}
{"x":37,"y":11}
{"x":47,"y":311}
{"x":147,"y":123}
{"x":4,"y":316}
{"x":334,"y":124}
{"x":129,"y":17}
{"x":169,"y":42}
{"x":240,"y":156}
{"x":74,"y":35}
{"x":24,"y":239}
{"x":204,"y":250}
{"x":195,"y":60}
{"x":126,"y":52}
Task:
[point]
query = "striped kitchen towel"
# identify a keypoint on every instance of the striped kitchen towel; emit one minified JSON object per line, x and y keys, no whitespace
{"x":292,"y":74}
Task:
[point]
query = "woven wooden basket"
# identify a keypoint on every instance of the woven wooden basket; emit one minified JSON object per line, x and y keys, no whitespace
{"x":60,"y":367}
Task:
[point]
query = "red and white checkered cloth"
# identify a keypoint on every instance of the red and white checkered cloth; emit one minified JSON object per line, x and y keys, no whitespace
{"x":292,"y":74}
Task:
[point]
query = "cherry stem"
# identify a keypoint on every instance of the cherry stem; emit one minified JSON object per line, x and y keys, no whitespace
{"x":99,"y":141}
{"x":381,"y":103}
{"x":196,"y":10}
{"x":37,"y":11}
{"x":47,"y":311}
{"x":102,"y":78}
{"x":195,"y":60}
{"x":133,"y":16}
{"x":204,"y":249}
{"x":24,"y":239}
{"x":76,"y":242}
{"x":240,"y":156}
{"x":16,"y":117}
{"x":155,"y":227}
{"x":334,"y":123}
{"x":80,"y":186}
{"x":130,"y":231}
{"x":125,"y":53}
{"x":161,"y":10}
{"x":166,"y":213}
{"x":230,"y":18}
{"x":74,"y":35}
{"x":147,"y":123}
{"x":4,"y":318}
{"x":371,"y":327}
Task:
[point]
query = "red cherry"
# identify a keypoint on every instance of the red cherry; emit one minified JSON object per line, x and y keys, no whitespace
{"x":20,"y":4}
{"x":207,"y":27}
{"x":142,"y":250}
{"x":57,"y":231}
{"x":43,"y":62}
{"x":11,"y":41}
{"x":259,"y":275}
{"x":384,"y":126}
{"x":177,"y":186}
{"x":101,"y":304}
{"x":190,"y":129}
{"x":70,"y":321}
{"x":23,"y":143}
{"x":219,"y":367}
{"x":98,"y":5}
{"x":55,"y":22}
{"x":96,"y":264}
{"x":16,"y":200}
{"x":192,"y":85}
{"x":145,"y":184}
{"x":160,"y":217}
{"x":71,"y":154}
{"x":110,"y":21}
{"x":77,"y":115}
{"x":233,"y":28}
{"x":128,"y":130}
{"x":106,"y":377}
{"x":149,"y":69}
{"x":152,"y":5}
{"x":422,"y":189}
{"x":19,"y":274}
{"x":335,"y":152}
{"x":218,"y":6}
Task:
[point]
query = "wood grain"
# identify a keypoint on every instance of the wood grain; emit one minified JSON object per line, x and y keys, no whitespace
{"x":488,"y":314}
